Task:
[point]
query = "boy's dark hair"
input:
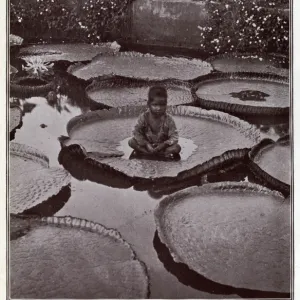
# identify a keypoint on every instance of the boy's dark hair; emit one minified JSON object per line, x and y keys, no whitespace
{"x":157,"y":91}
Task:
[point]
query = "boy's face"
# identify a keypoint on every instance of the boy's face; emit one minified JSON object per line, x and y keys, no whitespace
{"x":158,"y":106}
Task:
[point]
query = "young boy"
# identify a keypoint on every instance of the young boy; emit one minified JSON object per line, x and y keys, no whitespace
{"x":155,"y":132}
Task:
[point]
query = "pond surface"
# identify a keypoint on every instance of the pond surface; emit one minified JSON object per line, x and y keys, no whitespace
{"x":127,"y":210}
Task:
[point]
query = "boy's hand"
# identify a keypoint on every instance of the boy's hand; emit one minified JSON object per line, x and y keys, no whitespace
{"x":160,"y":147}
{"x":149,"y":148}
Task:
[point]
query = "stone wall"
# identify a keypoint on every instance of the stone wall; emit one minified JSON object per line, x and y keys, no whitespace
{"x":167,"y":22}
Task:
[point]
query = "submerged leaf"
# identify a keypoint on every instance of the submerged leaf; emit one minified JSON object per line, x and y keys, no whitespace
{"x":237,"y":234}
{"x":71,"y":258}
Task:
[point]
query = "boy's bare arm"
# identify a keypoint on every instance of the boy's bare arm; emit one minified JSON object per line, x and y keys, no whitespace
{"x":173,"y":132}
{"x":138,"y":131}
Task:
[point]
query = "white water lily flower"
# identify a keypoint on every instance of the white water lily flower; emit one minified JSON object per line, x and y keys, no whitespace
{"x":36,"y":66}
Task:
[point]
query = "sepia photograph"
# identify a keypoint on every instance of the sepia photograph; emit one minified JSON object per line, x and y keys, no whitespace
{"x":149,"y":149}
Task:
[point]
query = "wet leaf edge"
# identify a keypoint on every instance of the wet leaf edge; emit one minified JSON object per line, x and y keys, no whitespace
{"x":202,"y":190}
{"x":261,"y":174}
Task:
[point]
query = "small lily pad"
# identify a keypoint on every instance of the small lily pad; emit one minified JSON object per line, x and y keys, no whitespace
{"x":144,"y":66}
{"x":271,"y":162}
{"x":236,"y":234}
{"x":120,"y":91}
{"x":31,"y":180}
{"x":65,"y":257}
{"x":15,"y":40}
{"x":15,"y":118}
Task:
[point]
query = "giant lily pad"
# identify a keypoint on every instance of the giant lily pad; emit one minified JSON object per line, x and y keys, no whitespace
{"x":145,"y":66}
{"x":31,"y":180}
{"x":237,"y":62}
{"x":271,"y":161}
{"x":237,"y":234}
{"x":202,"y":135}
{"x":15,"y":118}
{"x":248,"y":94}
{"x":69,"y":52}
{"x":65,"y":257}
{"x":122,"y":91}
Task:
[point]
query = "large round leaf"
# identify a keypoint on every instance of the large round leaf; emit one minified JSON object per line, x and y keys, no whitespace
{"x":237,"y":234}
{"x":247,"y":94}
{"x":69,"y":52}
{"x":238,"y":62}
{"x":31,"y":180}
{"x":120,"y":91}
{"x":145,"y":66}
{"x":202,"y":135}
{"x":64,"y":257}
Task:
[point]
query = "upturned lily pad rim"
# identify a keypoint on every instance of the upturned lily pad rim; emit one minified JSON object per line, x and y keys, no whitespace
{"x":133,"y":111}
{"x":256,"y":151}
{"x":86,"y":166}
{"x":232,"y":108}
{"x":18,"y":89}
{"x":111,"y":81}
{"x":23,"y":150}
{"x":202,"y":190}
{"x":22,"y":203}
{"x":94,"y":227}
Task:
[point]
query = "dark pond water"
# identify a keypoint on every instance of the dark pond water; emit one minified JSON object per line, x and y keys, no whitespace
{"x":127,"y":210}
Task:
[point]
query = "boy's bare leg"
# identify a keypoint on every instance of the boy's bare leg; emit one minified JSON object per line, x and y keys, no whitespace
{"x":174,"y":149}
{"x":135,"y":146}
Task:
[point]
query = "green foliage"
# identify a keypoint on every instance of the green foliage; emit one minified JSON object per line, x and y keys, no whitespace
{"x":84,"y":21}
{"x":245,"y":26}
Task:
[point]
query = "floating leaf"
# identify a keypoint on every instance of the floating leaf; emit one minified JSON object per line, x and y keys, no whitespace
{"x":237,"y":234}
{"x":243,"y":93}
{"x":84,"y":259}
{"x":69,"y":52}
{"x":15,"y":117}
{"x":203,"y":135}
{"x":144,"y":66}
{"x":238,"y":62}
{"x":31,"y":180}
{"x":120,"y":91}
{"x":271,"y":161}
